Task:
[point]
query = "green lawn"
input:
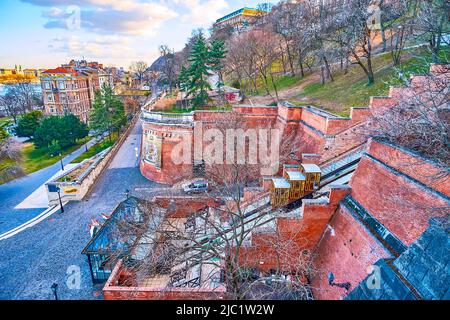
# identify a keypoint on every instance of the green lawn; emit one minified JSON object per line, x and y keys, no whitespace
{"x":351,"y":89}
{"x":37,"y":159}
{"x":281,"y":82}
{"x":97,"y":148}
{"x":4,"y":121}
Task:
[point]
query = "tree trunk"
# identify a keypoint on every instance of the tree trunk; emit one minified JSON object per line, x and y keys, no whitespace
{"x":382,"y":29}
{"x":327,"y":65}
{"x":300,"y":61}
{"x":274,"y":86}
{"x":282,"y":59}
{"x":291,"y":64}
{"x":322,"y":74}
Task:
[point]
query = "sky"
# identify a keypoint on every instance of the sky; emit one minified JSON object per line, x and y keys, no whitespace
{"x":47,"y":33}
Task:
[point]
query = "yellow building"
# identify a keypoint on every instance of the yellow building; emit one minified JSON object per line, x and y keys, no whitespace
{"x":239,"y":20}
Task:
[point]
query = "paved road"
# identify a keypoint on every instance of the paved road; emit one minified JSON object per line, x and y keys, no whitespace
{"x":31,"y":261}
{"x":14,"y":192}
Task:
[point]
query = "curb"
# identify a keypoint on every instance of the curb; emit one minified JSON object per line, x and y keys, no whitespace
{"x":47,"y":213}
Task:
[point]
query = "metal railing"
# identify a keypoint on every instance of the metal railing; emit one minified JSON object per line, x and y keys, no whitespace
{"x":344,"y":160}
{"x":161,"y":117}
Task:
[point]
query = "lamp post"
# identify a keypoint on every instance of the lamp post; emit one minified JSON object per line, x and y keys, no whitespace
{"x":60,"y":202}
{"x":54,"y":287}
{"x":61,"y":161}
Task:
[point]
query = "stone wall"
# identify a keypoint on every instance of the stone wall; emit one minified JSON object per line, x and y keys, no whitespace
{"x":308,"y":125}
{"x":399,"y":190}
{"x":347,"y":250}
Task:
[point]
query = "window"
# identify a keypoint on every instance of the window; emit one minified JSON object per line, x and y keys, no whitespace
{"x":61,"y":85}
{"x":47,"y":85}
{"x":49,"y":97}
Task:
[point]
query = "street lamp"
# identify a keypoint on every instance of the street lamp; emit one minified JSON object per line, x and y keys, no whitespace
{"x":61,"y":161}
{"x":60,"y":202}
{"x":55,"y":188}
{"x":54,"y":287}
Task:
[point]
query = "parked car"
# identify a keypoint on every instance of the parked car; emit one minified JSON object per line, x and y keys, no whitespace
{"x":196,"y":187}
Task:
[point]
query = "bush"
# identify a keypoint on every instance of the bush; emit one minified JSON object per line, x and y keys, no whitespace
{"x":62,"y":132}
{"x":28,"y":124}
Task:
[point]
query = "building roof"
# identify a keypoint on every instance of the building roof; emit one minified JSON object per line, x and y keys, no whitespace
{"x":281,"y":183}
{"x":106,"y":241}
{"x":295,"y":176}
{"x":244,"y":11}
{"x":61,"y":70}
{"x":311,"y":168}
{"x":418,"y":273}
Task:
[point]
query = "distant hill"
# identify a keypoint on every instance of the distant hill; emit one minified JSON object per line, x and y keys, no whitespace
{"x":157,"y":64}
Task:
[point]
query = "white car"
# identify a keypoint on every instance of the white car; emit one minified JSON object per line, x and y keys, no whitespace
{"x":196,"y":187}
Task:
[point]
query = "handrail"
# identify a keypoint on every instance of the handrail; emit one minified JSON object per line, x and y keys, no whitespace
{"x":161,"y":117}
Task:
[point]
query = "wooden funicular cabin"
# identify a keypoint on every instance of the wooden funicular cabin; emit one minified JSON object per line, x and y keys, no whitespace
{"x":297,"y":182}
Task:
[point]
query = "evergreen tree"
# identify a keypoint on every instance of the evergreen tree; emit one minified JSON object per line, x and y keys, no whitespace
{"x":216,"y":57}
{"x":198,"y":72}
{"x":28,"y":123}
{"x":108,"y":112}
{"x":59,"y":130}
{"x":183,"y":78}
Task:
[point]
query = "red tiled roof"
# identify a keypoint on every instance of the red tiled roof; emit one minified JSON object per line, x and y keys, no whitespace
{"x":61,"y":70}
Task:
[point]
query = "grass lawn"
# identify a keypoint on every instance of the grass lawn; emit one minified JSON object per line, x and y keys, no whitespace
{"x":281,"y":82}
{"x":37,"y":159}
{"x":97,"y":148}
{"x":351,"y":89}
{"x":4,"y":121}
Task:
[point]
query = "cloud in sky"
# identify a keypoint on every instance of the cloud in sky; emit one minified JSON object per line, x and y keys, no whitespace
{"x":125,"y":17}
{"x":111,"y":31}
{"x":201,"y":13}
{"x":131,"y":17}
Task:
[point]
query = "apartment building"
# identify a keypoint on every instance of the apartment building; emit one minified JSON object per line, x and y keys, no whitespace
{"x":71,"y":87}
{"x":65,"y":91}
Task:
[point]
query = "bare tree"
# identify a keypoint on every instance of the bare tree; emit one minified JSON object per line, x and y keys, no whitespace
{"x":264,"y":49}
{"x":348,"y":27}
{"x":283,"y":21}
{"x":206,"y":246}
{"x":11,"y":157}
{"x":432,"y":22}
{"x":168,"y":67}
{"x":420,"y":122}
{"x":239,"y":64}
{"x":138,"y":70}
{"x":20,"y":98}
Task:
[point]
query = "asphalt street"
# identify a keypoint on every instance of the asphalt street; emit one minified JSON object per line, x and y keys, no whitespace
{"x":50,"y":252}
{"x":14,"y":192}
